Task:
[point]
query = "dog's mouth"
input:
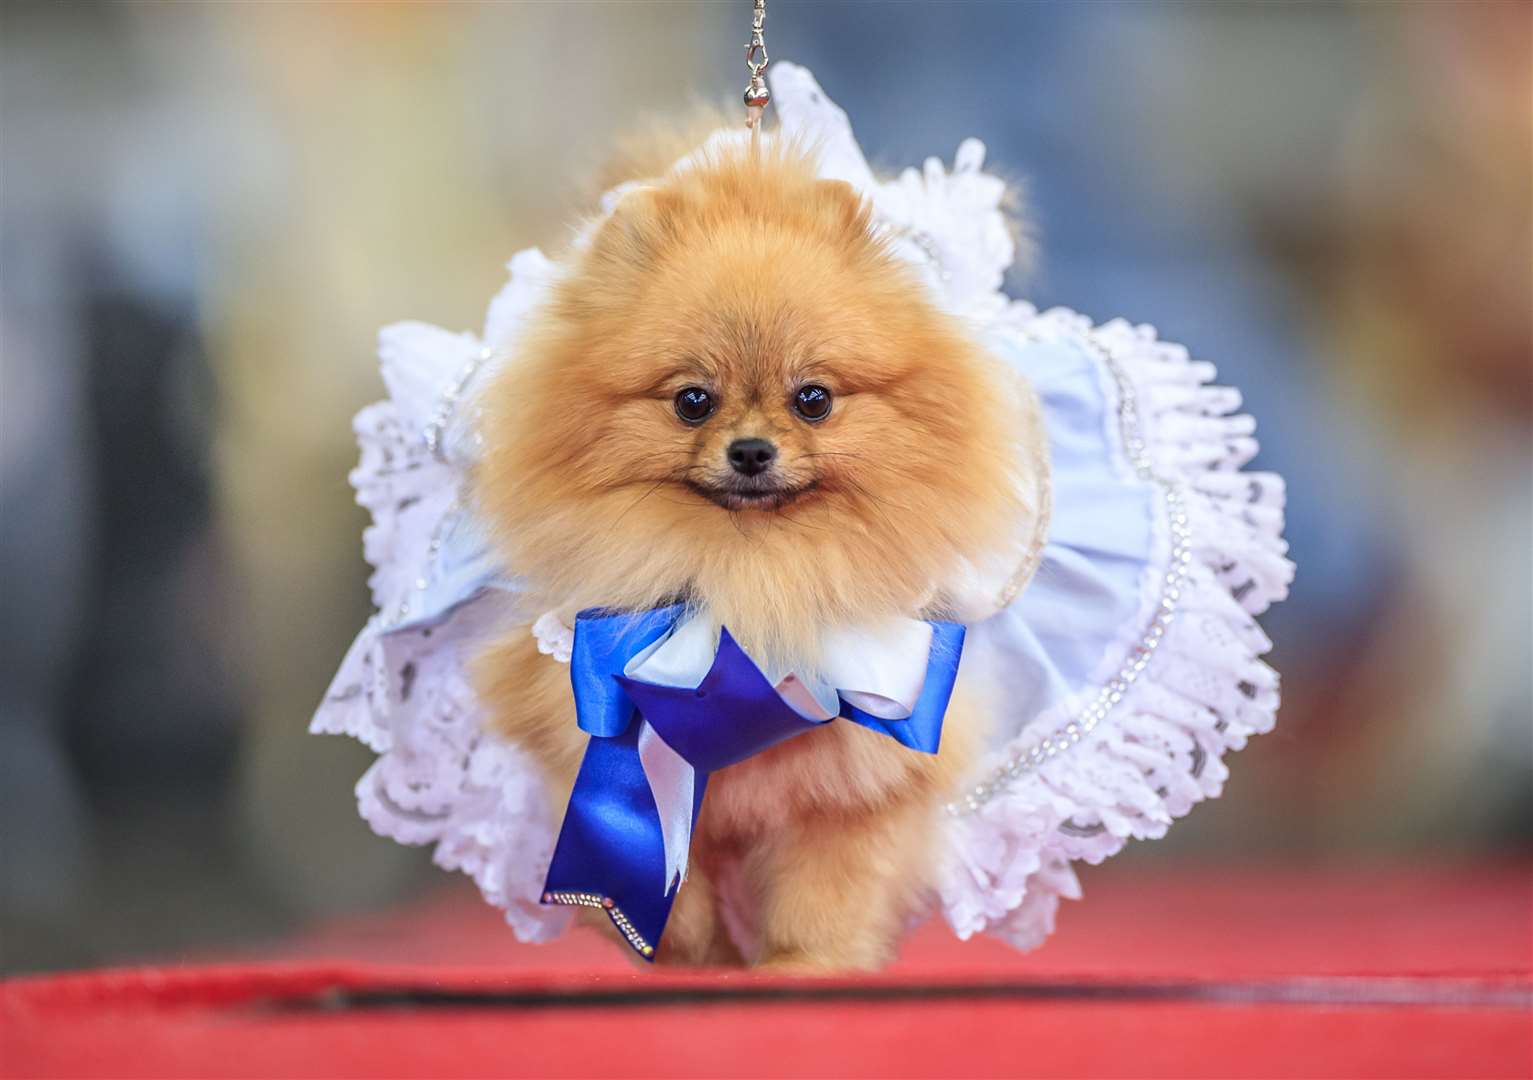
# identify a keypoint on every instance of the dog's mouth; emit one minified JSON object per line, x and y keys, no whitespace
{"x":752,"y":496}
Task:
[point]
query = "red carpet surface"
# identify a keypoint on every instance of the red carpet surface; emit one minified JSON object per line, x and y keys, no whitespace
{"x":1170,"y":972}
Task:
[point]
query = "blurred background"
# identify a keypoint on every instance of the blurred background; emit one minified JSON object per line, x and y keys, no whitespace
{"x":207,"y":210}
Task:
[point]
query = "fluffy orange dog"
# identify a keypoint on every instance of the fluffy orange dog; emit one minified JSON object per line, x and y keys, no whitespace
{"x":737,"y":397}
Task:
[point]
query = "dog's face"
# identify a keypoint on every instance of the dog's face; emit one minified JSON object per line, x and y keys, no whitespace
{"x":761,"y":375}
{"x":739,"y":398}
{"x":751,"y":460}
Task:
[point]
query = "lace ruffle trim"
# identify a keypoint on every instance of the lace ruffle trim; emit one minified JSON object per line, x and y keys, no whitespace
{"x":1158,"y":746}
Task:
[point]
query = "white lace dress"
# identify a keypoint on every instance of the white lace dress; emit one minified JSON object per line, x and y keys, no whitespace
{"x":1132,"y":660}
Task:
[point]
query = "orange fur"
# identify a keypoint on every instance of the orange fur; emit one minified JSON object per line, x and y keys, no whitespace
{"x":751,"y":278}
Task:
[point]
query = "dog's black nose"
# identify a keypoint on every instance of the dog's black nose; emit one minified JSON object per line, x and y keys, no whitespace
{"x":751,"y":456}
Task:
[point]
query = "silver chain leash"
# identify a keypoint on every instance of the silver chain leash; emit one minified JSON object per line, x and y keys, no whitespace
{"x":757,"y":96}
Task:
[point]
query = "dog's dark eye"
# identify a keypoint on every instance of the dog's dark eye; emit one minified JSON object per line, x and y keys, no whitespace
{"x":694,"y":404}
{"x":812,"y":402}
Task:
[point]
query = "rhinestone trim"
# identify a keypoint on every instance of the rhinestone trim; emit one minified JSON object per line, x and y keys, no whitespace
{"x":433,"y":548}
{"x":432,"y":434}
{"x":448,"y":403}
{"x":1139,"y":657}
{"x":615,"y":913}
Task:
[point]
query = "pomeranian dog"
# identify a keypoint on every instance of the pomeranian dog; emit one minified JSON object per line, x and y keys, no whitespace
{"x":738,"y":398}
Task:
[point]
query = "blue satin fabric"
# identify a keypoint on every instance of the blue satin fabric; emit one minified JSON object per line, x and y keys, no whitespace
{"x":604,"y":642}
{"x":611,"y":844}
{"x":923,"y":729}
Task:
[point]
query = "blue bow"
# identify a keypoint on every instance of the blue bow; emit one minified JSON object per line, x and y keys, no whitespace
{"x":611,"y":849}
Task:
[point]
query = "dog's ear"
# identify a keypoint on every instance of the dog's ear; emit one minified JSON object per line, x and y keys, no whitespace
{"x":625,"y":246}
{"x":641,"y":227}
{"x":845,"y":212}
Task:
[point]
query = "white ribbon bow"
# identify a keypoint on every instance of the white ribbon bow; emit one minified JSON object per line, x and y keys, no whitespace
{"x":879,"y":670}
